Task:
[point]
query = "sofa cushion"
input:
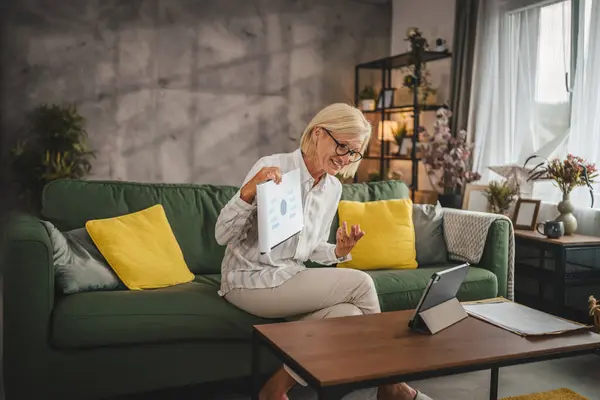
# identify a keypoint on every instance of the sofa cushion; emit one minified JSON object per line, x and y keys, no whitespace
{"x":189,"y":311}
{"x":402,"y":289}
{"x":141,"y":249}
{"x":192,"y":211}
{"x":78,"y":264}
{"x":368,"y":191}
{"x":390,"y":234}
{"x":430,"y":242}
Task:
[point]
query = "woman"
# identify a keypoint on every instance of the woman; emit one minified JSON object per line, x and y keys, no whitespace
{"x":277,"y":284}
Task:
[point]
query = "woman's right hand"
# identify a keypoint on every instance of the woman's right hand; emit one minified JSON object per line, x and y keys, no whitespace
{"x":248,"y":191}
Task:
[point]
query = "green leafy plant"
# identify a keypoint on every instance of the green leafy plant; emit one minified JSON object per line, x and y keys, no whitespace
{"x":368,"y":93}
{"x":400,"y":134}
{"x":501,"y":195}
{"x":425,"y":87}
{"x":374,"y":176}
{"x":55,"y":147}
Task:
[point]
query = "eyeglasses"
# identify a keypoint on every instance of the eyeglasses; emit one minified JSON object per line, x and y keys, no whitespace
{"x":343,"y":149}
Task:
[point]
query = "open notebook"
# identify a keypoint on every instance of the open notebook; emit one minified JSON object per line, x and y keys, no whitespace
{"x":280,"y":214}
{"x":520,"y":319}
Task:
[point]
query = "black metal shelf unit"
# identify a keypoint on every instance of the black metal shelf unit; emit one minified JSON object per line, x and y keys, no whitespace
{"x":416,"y":58}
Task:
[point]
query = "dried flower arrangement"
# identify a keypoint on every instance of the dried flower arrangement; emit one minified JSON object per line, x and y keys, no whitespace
{"x":501,"y":195}
{"x":567,"y":174}
{"x":447,"y":157}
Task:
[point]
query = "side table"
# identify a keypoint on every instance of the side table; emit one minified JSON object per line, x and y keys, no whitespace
{"x":557,"y":275}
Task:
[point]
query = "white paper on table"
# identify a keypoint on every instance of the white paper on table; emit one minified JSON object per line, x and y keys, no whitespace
{"x":279,"y":210}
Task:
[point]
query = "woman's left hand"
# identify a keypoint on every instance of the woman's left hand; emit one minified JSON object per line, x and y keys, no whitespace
{"x":345,"y":241}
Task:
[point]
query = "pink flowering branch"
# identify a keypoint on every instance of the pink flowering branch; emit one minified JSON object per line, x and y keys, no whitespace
{"x":447,"y":157}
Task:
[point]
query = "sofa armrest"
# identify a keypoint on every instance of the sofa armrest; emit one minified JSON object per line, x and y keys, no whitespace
{"x":28,"y":286}
{"x":495,"y":257}
{"x":483,"y":239}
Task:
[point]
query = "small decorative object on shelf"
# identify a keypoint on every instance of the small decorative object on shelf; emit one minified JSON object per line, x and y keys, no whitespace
{"x":440,"y":45}
{"x":501,"y":196}
{"x":367,"y":99}
{"x":399,"y":136}
{"x":567,"y":174}
{"x":415,"y":39}
{"x":385,"y":98}
{"x":447,"y":159}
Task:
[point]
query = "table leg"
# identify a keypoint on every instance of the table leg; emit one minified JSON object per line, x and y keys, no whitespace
{"x":329,"y":394}
{"x":255,"y":386}
{"x":494,"y":384}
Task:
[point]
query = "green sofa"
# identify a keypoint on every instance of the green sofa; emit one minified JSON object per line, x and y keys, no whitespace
{"x":105,"y":343}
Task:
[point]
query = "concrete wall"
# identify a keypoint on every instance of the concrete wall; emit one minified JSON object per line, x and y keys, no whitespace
{"x":188,"y":91}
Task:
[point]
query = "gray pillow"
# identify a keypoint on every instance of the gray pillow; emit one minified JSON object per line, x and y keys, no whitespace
{"x":429,"y":234}
{"x":78,"y":264}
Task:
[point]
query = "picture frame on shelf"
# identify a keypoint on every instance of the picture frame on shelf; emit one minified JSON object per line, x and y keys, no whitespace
{"x":386,"y":98}
{"x":474,"y":198}
{"x":526,"y":214}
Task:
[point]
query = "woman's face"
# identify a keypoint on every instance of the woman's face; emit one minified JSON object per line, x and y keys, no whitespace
{"x":333,"y":152}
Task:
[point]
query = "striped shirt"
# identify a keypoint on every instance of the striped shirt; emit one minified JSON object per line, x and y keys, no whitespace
{"x":243,"y":265}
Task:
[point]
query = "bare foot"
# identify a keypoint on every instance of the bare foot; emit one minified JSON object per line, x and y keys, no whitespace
{"x":398,"y":391}
{"x":277,"y":386}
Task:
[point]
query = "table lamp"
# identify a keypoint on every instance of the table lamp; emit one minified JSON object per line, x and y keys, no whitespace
{"x":386,"y":133}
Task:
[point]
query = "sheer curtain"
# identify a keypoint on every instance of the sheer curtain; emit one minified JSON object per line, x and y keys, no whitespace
{"x":520,"y":100}
{"x":584,"y":139}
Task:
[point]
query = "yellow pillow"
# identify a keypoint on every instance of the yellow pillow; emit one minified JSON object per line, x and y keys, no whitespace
{"x":389,"y":240}
{"x":141,"y":249}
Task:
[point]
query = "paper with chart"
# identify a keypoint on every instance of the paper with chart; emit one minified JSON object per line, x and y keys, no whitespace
{"x":280,"y":213}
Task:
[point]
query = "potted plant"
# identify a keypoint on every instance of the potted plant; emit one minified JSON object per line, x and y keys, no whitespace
{"x":566,"y":174}
{"x":447,"y":159}
{"x":501,"y":196}
{"x":367,"y":99}
{"x":55,"y":147}
{"x":425,"y":87}
{"x":399,"y":136}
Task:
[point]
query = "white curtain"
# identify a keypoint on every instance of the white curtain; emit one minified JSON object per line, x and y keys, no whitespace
{"x":584,"y":139}
{"x":520,"y":101}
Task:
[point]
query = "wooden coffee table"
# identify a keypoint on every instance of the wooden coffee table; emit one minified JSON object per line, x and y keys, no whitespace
{"x":336,"y":356}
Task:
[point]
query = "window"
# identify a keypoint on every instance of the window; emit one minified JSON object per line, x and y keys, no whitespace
{"x":536,"y":85}
{"x":555,"y":59}
{"x":554,"y":54}
{"x":587,"y":7}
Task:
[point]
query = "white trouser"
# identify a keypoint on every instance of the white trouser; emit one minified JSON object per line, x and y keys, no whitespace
{"x":315,"y":293}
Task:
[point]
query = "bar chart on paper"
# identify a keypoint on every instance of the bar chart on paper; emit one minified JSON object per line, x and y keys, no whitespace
{"x":280,"y":214}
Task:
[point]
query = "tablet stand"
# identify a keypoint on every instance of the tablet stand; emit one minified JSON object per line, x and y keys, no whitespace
{"x":440,"y":317}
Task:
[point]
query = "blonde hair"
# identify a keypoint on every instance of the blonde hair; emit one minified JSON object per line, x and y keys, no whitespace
{"x":340,"y":119}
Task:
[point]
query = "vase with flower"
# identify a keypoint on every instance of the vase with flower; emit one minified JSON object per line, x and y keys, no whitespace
{"x":447,"y":159}
{"x":566,"y":174}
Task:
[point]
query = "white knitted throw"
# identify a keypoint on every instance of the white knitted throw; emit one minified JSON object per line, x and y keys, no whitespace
{"x":466,"y":233}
